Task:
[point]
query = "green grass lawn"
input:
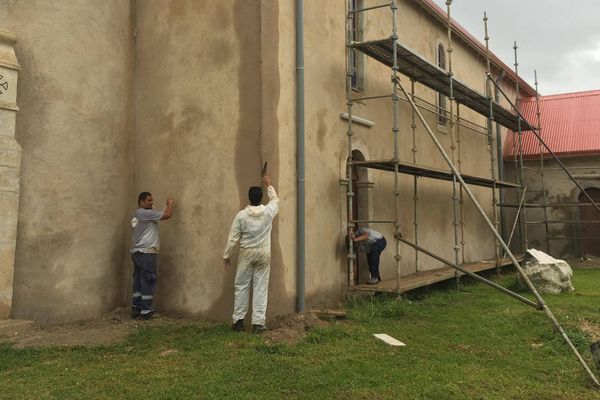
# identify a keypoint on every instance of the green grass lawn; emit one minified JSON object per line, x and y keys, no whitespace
{"x":472,"y":344}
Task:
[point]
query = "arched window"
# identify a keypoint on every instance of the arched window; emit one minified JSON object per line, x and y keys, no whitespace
{"x":441,"y":62}
{"x":357,"y":58}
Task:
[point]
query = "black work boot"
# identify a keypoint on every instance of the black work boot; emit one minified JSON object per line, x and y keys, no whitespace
{"x":238,"y":326}
{"x":147,"y":316}
{"x":258,"y":329}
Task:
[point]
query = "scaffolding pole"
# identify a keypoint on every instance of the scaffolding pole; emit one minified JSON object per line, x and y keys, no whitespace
{"x":515,"y":223}
{"x":395,"y":131}
{"x":413,"y":127}
{"x":523,"y":220}
{"x":349,"y":192}
{"x":541,"y":303}
{"x":461,"y":201}
{"x":491,"y":140}
{"x":456,"y":246}
{"x":544,"y":194}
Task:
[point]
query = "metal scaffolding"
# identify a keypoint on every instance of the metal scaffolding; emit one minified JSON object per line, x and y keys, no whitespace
{"x":544,"y":205}
{"x":404,"y":61}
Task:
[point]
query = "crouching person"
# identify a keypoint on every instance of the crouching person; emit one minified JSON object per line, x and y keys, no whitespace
{"x":252,"y":229}
{"x":372,"y":243}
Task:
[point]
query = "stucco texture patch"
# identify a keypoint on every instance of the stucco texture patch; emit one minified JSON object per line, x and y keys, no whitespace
{"x":73,"y":126}
{"x":198,"y":138}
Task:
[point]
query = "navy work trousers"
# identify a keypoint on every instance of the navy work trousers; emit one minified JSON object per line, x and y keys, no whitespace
{"x":144,"y":281}
{"x":373,"y":257}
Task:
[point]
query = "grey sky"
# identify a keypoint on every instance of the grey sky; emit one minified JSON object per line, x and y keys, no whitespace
{"x":560,"y":39}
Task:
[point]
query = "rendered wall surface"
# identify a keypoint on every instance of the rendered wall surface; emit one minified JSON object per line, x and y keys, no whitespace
{"x":558,"y":188}
{"x":74,"y":128}
{"x":10,"y":163}
{"x":207,"y":95}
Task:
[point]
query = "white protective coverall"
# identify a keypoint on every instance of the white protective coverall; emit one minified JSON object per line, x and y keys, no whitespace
{"x":252,"y":228}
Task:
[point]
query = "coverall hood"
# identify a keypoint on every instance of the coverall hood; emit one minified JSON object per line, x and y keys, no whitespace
{"x":255,"y":211}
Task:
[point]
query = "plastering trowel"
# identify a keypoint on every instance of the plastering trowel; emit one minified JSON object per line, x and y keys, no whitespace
{"x":263,"y":171}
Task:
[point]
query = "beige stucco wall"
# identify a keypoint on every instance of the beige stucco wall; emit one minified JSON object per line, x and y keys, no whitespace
{"x":10,"y":163}
{"x":74,"y":125}
{"x":208,"y":114}
{"x":558,"y":188}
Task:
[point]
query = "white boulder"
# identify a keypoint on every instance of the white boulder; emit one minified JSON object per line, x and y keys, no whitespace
{"x":547,"y":274}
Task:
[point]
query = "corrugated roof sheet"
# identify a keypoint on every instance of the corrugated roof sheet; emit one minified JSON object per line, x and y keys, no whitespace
{"x":570,"y":125}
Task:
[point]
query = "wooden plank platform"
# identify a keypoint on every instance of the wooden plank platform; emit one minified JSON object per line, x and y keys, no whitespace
{"x":424,"y":278}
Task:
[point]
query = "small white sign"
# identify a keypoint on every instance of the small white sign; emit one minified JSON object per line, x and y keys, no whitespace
{"x":388,"y":339}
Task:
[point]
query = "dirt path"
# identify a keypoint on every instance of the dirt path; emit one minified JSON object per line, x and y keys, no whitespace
{"x":106,"y":330}
{"x":117,"y":325}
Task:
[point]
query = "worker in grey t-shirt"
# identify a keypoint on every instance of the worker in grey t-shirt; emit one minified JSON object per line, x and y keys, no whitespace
{"x":144,"y":251}
{"x":372,"y":243}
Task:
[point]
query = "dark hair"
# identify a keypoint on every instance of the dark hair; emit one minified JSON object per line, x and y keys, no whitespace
{"x":143,"y":196}
{"x":255,"y":194}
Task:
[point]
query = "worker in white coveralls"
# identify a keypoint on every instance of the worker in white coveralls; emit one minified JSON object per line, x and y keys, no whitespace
{"x":144,"y":252}
{"x":252,"y":228}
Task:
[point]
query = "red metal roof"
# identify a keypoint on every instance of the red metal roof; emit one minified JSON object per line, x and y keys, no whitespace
{"x":569,"y":125}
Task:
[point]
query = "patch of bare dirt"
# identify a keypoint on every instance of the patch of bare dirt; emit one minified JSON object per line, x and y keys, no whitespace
{"x":591,"y":329}
{"x":117,"y":325}
{"x":292,"y":328}
{"x":106,"y":330}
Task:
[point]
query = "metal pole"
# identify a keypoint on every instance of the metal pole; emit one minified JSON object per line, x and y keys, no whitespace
{"x":461,"y":194}
{"x":452,"y":144}
{"x":349,"y":191}
{"x":544,"y":195}
{"x":300,"y":204}
{"x":413,"y":126}
{"x":488,"y":87}
{"x":395,"y":130}
{"x":516,"y":220}
{"x":523,"y":220}
{"x":514,"y":261}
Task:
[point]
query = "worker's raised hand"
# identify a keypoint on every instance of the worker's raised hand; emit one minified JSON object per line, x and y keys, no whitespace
{"x":226,"y":263}
{"x":170,"y":201}
{"x":266,"y":180}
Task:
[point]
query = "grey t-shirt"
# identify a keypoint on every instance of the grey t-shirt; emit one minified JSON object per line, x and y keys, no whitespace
{"x":145,"y":231}
{"x":373,"y":237}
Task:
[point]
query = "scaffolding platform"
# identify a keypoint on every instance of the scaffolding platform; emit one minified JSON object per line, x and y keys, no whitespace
{"x":419,"y":69}
{"x":425,"y":278}
{"x":434,"y":173}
